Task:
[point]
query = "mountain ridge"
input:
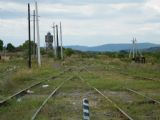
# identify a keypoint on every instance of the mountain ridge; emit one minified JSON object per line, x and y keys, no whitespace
{"x":112,"y":47}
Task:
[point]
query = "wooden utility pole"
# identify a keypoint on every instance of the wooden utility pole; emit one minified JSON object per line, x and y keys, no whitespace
{"x":29,"y":37}
{"x":58,"y":48}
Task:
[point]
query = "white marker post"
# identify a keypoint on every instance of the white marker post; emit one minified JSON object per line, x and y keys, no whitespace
{"x":85,"y":109}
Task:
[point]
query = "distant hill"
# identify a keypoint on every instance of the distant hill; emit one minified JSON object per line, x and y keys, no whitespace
{"x":112,"y":47}
{"x":153,"y":49}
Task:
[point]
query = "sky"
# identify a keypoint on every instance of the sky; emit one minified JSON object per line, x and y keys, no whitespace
{"x":84,"y":22}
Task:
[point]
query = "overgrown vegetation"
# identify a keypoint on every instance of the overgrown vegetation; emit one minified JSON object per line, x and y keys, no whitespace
{"x":101,"y":70}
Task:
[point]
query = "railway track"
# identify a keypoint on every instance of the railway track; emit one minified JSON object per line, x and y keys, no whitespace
{"x":142,"y":95}
{"x":151,"y":100}
{"x":53,"y":93}
{"x":138,"y":93}
{"x":139,"y":77}
{"x":61,"y":84}
{"x":50,"y":95}
{"x":109,"y":100}
{"x":120,"y":71}
{"x":136,"y":76}
{"x":24,"y":91}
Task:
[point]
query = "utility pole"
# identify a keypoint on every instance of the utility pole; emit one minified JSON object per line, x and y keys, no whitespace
{"x":54,"y":41}
{"x":5,"y":47}
{"x":132,"y":51}
{"x":134,"y":48}
{"x":58,"y":48}
{"x":61,"y":41}
{"x":29,"y":37}
{"x":38,"y":37}
{"x":34,"y":32}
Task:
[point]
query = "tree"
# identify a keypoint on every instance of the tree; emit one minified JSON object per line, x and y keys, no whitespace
{"x":68,"y":52}
{"x":24,"y":46}
{"x":10,"y":47}
{"x":122,"y":54}
{"x":1,"y":45}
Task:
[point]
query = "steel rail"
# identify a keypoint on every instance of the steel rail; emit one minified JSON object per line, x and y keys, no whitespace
{"x":46,"y":100}
{"x":140,"y":77}
{"x":140,"y":94}
{"x":23,"y":91}
{"x":18,"y":93}
{"x":135,"y":76}
{"x":108,"y":99}
{"x":131,"y":90}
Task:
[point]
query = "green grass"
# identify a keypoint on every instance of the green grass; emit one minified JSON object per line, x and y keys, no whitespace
{"x":24,"y":77}
{"x":67,"y":104}
{"x":20,"y":110}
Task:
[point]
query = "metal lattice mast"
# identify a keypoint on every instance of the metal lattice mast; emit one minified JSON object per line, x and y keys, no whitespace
{"x":133,"y":48}
{"x":138,"y":51}
{"x":136,"y":48}
{"x":135,"y":52}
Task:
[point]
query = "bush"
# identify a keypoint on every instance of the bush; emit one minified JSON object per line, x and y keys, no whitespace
{"x":68,"y":52}
{"x":43,"y":51}
{"x":50,"y":54}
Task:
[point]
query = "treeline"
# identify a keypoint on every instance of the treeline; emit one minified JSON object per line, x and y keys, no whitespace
{"x":151,"y":57}
{"x":23,"y":49}
{"x":9,"y":47}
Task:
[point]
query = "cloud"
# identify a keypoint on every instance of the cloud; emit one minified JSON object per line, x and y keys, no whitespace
{"x":78,"y":2}
{"x":85,"y":22}
{"x":153,"y":5}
